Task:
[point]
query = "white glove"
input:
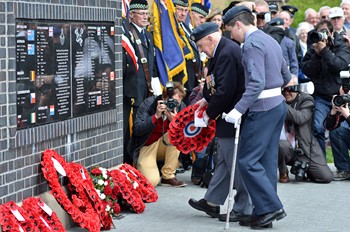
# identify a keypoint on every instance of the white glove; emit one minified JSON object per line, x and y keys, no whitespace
{"x":233,"y":117}
{"x":155,"y":83}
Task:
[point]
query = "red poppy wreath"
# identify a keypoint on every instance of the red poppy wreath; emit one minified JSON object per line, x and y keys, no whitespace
{"x":185,"y":136}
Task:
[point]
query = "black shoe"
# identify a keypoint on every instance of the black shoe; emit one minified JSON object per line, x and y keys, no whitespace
{"x":202,"y":205}
{"x":261,"y":227}
{"x":266,"y":219}
{"x":234,"y":217}
{"x":248,"y":221}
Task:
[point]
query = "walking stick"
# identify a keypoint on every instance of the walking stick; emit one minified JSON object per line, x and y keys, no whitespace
{"x":230,"y":194}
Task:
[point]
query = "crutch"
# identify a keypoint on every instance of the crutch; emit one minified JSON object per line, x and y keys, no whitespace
{"x":230,"y":194}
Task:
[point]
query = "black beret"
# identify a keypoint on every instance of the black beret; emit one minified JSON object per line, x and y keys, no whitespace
{"x":200,"y":9}
{"x":203,"y":30}
{"x":138,"y":5}
{"x":273,"y":7}
{"x":183,"y":3}
{"x":291,"y":9}
{"x":233,"y":12}
{"x":276,"y":22}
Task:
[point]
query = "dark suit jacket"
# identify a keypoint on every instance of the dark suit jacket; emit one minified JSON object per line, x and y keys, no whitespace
{"x":226,"y":66}
{"x":139,"y":83}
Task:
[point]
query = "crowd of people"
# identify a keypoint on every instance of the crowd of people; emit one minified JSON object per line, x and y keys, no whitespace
{"x":247,"y":68}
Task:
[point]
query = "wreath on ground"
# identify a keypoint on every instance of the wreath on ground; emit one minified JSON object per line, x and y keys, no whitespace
{"x":79,"y":207}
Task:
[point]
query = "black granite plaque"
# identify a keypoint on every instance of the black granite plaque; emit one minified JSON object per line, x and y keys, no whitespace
{"x":64,"y":69}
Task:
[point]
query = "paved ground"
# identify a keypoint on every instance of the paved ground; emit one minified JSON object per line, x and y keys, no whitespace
{"x":310,"y":207}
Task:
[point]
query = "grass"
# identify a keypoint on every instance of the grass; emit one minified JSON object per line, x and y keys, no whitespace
{"x":329,"y":155}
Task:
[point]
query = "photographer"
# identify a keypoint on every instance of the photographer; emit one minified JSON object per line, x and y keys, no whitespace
{"x":301,"y":150}
{"x":150,"y":141}
{"x":327,"y":55}
{"x":338,"y":122}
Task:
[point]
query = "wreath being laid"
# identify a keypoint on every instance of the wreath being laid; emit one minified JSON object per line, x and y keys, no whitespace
{"x":185,"y":136}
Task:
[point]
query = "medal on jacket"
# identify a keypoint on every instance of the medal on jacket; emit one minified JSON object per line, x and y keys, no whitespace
{"x":210,"y":83}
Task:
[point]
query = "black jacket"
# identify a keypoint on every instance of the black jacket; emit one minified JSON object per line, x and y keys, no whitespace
{"x":138,"y":82}
{"x":226,"y":66}
{"x":143,"y":125}
{"x":324,"y":69}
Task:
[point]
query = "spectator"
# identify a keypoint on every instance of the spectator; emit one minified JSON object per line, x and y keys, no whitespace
{"x":215,"y":16}
{"x":136,"y":83}
{"x":338,"y":122}
{"x":199,"y":13}
{"x":287,"y":45}
{"x":302,"y":32}
{"x":193,"y":63}
{"x":345,"y":5}
{"x":337,"y":18}
{"x":262,"y":13}
{"x":323,"y":12}
{"x":150,"y":143}
{"x":322,"y":64}
{"x":301,"y":147}
{"x":288,"y":19}
{"x":273,"y":6}
{"x":311,"y":16}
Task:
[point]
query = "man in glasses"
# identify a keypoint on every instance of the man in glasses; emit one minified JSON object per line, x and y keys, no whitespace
{"x":137,"y":83}
{"x":298,"y":147}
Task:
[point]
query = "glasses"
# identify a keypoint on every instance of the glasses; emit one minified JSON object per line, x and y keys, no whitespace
{"x":324,"y":17}
{"x":293,"y":88}
{"x":141,"y":13}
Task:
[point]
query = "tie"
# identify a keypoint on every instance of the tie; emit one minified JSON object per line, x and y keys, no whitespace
{"x":144,"y":36}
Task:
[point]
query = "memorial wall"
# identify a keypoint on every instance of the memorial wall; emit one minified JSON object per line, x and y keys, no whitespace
{"x":61,"y":88}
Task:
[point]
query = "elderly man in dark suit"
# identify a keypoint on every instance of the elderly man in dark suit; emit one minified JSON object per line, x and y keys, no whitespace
{"x":137,"y":83}
{"x":265,"y":73}
{"x":223,"y":88}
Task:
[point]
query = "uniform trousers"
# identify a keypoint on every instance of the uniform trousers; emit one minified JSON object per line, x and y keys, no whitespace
{"x":257,"y":157}
{"x":218,"y":188}
{"x":147,"y":161}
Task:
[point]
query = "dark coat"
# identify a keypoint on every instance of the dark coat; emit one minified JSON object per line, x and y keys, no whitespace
{"x":140,"y":80}
{"x":226,"y":66}
{"x":300,"y":114}
{"x":143,"y":125}
{"x":324,"y":69}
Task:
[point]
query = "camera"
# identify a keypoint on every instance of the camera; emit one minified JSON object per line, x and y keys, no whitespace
{"x":307,"y":87}
{"x":340,"y":100}
{"x":171,"y":103}
{"x":299,"y":169}
{"x":345,"y":80}
{"x":316,"y":37}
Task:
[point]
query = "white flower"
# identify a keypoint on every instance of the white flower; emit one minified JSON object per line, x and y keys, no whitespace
{"x":100,"y":182}
{"x":98,"y":191}
{"x":102,"y":196}
{"x":104,"y":175}
{"x":135,"y":185}
{"x":106,"y":183}
{"x":108,"y":208}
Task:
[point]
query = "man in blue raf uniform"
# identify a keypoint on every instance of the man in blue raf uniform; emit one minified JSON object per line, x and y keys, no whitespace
{"x":223,"y":88}
{"x":265,"y":73}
